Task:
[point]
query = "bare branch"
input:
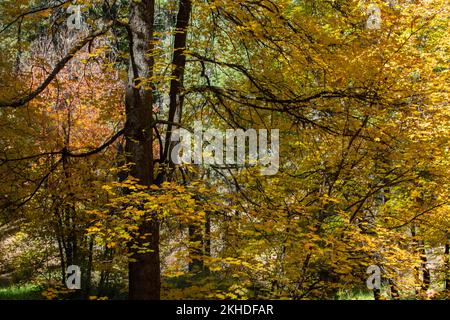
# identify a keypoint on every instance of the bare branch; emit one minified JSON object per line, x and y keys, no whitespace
{"x":18,"y":102}
{"x":32,"y":11}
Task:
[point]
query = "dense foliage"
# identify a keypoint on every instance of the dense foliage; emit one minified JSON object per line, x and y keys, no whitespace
{"x":87,"y":115}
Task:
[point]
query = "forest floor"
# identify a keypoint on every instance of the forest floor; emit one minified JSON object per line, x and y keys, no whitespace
{"x":23,"y":292}
{"x":33,"y":292}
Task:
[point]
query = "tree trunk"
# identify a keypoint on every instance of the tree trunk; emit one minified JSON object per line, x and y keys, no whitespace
{"x":179,"y":64}
{"x":426,"y":277}
{"x":88,"y":273}
{"x":376,"y":294}
{"x":144,"y":268}
{"x":175,"y":113}
{"x":207,"y":252}
{"x":395,"y":294}
{"x":447,"y":267}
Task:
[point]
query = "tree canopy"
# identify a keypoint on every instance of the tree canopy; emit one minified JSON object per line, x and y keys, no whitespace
{"x":95,"y":93}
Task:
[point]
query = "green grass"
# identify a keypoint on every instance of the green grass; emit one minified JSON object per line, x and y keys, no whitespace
{"x":24,"y":292}
{"x":355,"y":295}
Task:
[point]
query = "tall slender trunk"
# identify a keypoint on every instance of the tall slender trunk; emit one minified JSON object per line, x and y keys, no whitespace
{"x":179,"y":64}
{"x":175,"y":112}
{"x":144,"y":268}
{"x":376,"y":294}
{"x":426,"y":276}
{"x":447,"y":267}
{"x":88,"y":273}
{"x":395,"y":294}
{"x":207,"y":252}
{"x":422,"y":270}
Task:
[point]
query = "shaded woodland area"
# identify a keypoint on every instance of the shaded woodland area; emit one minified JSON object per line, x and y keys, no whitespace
{"x":92,"y":94}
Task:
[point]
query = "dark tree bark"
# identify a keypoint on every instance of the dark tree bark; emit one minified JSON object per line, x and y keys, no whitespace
{"x":208,"y":235}
{"x":395,"y":294}
{"x":447,"y":267}
{"x":426,"y":276}
{"x":88,"y":276}
{"x":144,"y":269}
{"x":144,"y":273}
{"x":376,"y":294}
{"x":175,"y":113}
{"x":179,"y":65}
{"x":423,"y":269}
